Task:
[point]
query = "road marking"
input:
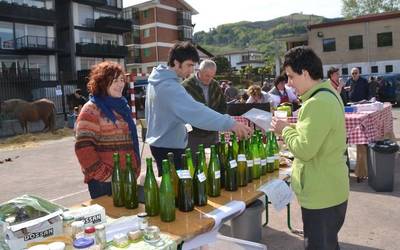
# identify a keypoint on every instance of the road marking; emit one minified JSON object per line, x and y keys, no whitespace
{"x":69,"y":195}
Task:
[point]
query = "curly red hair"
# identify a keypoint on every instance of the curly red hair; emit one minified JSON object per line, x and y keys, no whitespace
{"x":101,"y":77}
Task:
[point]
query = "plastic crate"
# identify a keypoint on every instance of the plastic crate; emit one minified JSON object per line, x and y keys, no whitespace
{"x":224,"y":242}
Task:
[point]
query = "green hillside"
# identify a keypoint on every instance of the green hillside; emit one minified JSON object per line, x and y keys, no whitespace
{"x":259,"y":35}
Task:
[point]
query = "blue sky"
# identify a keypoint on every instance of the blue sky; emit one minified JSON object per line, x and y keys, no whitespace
{"x":215,"y":12}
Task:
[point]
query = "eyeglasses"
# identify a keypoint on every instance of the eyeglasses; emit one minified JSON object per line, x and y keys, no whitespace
{"x":354,"y":73}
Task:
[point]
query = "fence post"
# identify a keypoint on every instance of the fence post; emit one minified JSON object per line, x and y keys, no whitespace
{"x":61,"y":78}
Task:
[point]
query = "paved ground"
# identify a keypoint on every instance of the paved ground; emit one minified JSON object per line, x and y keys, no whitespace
{"x":51,"y":170}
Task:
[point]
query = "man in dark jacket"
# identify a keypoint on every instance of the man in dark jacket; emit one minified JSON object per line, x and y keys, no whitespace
{"x":357,"y":86}
{"x":203,"y":88}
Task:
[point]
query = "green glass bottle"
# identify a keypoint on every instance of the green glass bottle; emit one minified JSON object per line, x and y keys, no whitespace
{"x":167,"y":197}
{"x":130,"y":185}
{"x":199,"y":183}
{"x":256,"y":170}
{"x":262,"y":153}
{"x":151,"y":195}
{"x":242,"y":164}
{"x":270,"y":154}
{"x":223,"y":162}
{"x":117,"y":183}
{"x":250,"y":162}
{"x":185,"y":187}
{"x":189,"y":160}
{"x":203,"y":156}
{"x":174,"y":175}
{"x":276,"y":151}
{"x":231,"y":172}
{"x":214,"y":175}
{"x":235,"y":145}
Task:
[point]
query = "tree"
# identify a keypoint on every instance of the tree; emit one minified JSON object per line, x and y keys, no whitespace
{"x":223,"y":65}
{"x":353,"y":8}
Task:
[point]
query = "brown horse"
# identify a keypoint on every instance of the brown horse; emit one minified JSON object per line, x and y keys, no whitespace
{"x":25,"y":112}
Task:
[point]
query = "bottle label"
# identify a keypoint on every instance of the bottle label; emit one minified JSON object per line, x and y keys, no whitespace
{"x":270,"y":159}
{"x":201,"y":177}
{"x":241,"y":157}
{"x":217,"y":174}
{"x":184,"y":174}
{"x":263,"y":162}
{"x":233,"y":163}
{"x":257,"y":161}
{"x":249,"y":163}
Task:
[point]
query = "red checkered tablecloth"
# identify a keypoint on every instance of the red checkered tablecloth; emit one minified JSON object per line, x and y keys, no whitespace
{"x":362,"y":128}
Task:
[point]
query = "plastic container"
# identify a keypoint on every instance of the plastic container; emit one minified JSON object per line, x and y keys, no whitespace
{"x":247,"y":226}
{"x":57,"y":246}
{"x":381,"y":158}
{"x":224,"y":242}
{"x":39,"y":247}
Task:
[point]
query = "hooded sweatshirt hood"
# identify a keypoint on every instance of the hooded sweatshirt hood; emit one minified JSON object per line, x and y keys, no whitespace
{"x":169,"y":107}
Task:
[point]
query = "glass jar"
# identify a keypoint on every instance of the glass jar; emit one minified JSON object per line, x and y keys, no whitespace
{"x":77,"y":229}
{"x":152,"y":234}
{"x":90,"y":232}
{"x":143,"y":221}
{"x":120,"y":240}
{"x":101,"y":236}
{"x":67,"y":227}
{"x":83,"y":243}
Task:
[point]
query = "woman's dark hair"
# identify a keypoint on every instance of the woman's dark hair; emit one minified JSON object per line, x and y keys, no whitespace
{"x":279,"y":79}
{"x":181,"y":52}
{"x":304,"y":58}
{"x":332,"y":70}
{"x":101,"y":77}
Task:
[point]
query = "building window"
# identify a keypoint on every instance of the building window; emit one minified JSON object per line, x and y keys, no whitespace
{"x":145,"y":13}
{"x":385,"y":39}
{"x":146,"y":32}
{"x":374,"y":69}
{"x":356,"y":42}
{"x":329,"y":44}
{"x":6,"y":35}
{"x":359,"y":70}
{"x":345,"y":71}
{"x":146,"y":52}
{"x":389,"y":68}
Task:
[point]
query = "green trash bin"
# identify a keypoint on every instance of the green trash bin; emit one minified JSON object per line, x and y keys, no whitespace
{"x":381,"y":162}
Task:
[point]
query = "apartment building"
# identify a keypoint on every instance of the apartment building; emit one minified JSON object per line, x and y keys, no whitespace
{"x":242,"y":58}
{"x":156,"y":26}
{"x":27,"y":37}
{"x":88,"y":32}
{"x":370,"y":43}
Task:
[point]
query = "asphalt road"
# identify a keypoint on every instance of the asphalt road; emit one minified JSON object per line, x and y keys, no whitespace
{"x":51,"y":170}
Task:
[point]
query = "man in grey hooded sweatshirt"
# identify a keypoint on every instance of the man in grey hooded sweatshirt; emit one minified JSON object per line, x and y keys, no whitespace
{"x":169,"y":107}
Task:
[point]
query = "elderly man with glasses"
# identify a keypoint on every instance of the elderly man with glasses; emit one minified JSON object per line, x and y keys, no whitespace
{"x":357,"y":87}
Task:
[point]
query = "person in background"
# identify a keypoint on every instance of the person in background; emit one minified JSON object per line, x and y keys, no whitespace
{"x":256,"y":95}
{"x":280,"y":93}
{"x":337,"y":83}
{"x":266,"y":86}
{"x":105,"y":126}
{"x":204,"y":89}
{"x":80,"y":99}
{"x":169,"y":107}
{"x":357,"y":87}
{"x":373,"y":87}
{"x":320,"y":176}
{"x":231,"y":93}
{"x":223,"y":86}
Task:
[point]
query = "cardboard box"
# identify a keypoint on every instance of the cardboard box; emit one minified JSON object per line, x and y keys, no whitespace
{"x":19,"y":235}
{"x":91,"y":215}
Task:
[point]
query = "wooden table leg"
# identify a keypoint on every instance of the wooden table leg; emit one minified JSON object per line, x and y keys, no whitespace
{"x":361,"y":170}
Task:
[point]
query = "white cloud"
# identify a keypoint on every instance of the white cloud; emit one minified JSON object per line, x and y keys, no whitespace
{"x":215,"y":12}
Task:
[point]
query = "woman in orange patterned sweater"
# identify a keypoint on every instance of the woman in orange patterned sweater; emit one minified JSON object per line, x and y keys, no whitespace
{"x":105,"y":126}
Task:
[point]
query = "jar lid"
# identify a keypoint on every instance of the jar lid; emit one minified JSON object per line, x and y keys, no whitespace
{"x":142,"y":215}
{"x":77,"y":224}
{"x":100,"y":227}
{"x":57,"y":245}
{"x":90,"y":230}
{"x":67,"y":217}
{"x":81,"y":243}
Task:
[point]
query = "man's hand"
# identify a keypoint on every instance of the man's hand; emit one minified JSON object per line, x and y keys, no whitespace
{"x":241,"y":130}
{"x":277,"y":125}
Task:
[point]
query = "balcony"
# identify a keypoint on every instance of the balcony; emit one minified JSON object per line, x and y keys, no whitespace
{"x":92,"y":2}
{"x":112,"y":25}
{"x":15,"y":12}
{"x":185,"y":34}
{"x":101,"y":50}
{"x":35,"y":44}
{"x":135,"y":59}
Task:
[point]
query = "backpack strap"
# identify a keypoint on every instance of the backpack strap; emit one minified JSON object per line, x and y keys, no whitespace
{"x":325,"y":90}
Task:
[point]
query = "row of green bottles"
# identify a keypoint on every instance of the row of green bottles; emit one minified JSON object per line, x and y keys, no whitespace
{"x":151,"y":193}
{"x":242,"y":164}
{"x":167,"y":195}
{"x":123,"y":185}
{"x":231,"y":178}
{"x":185,"y":187}
{"x":200,"y":182}
{"x":214,"y":174}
